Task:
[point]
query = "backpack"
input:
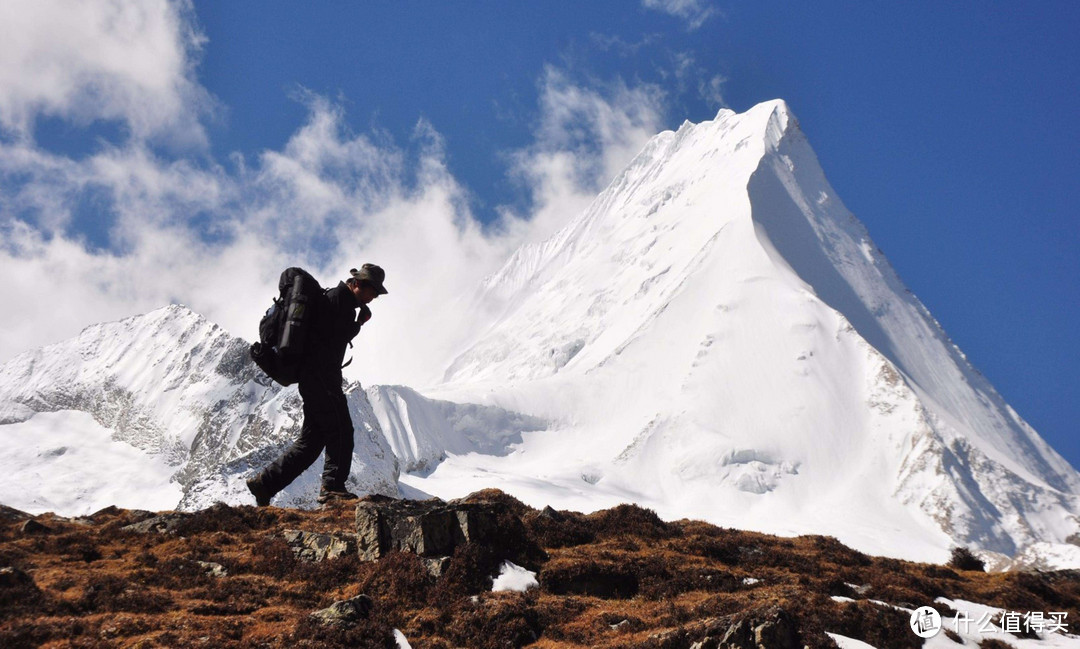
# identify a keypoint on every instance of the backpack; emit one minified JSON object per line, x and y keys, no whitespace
{"x":283,"y":330}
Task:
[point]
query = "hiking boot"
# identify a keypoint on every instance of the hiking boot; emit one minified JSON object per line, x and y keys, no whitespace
{"x":335,"y":496}
{"x":261,"y":493}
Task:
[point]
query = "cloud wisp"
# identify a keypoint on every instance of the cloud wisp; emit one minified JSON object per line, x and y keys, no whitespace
{"x":694,"y":12}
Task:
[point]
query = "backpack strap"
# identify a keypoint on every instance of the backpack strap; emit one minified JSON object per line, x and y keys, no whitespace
{"x":348,"y":362}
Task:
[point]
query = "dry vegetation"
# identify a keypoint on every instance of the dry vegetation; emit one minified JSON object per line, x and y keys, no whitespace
{"x":617,"y":578}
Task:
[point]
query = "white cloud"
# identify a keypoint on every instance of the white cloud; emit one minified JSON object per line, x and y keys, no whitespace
{"x":712,"y":90}
{"x":133,"y":62}
{"x":694,"y":12}
{"x":612,"y":42}
{"x":584,"y":137}
{"x":185,"y":229}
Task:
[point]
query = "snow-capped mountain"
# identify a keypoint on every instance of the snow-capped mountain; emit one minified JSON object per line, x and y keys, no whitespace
{"x":716,"y":337}
{"x":720,"y":338}
{"x":167,"y":410}
{"x":173,"y":385}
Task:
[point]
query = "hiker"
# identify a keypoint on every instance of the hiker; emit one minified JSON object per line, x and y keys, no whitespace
{"x":327,"y":425}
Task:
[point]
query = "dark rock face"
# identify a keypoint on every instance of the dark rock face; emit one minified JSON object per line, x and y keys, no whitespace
{"x":437,"y":565}
{"x":11,"y":577}
{"x":31,"y":526}
{"x":17,"y":588}
{"x":310,"y":546}
{"x":771,"y":629}
{"x":12,"y":514}
{"x":429,"y":528}
{"x":213,"y":569}
{"x":551,"y":513}
{"x":346,"y":613}
{"x":166,"y":523}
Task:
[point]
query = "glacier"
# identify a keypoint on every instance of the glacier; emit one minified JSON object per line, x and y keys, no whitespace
{"x":715,"y":337}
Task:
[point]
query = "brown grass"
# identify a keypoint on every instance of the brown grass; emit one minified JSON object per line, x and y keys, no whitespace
{"x":617,"y":578}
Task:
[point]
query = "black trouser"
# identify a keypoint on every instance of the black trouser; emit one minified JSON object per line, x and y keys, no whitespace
{"x":326,"y":425}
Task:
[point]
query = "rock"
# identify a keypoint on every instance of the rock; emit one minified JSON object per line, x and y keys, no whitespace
{"x":314,"y":547}
{"x":31,"y":526}
{"x":111,"y":511}
{"x":770,"y":629}
{"x":108,"y":511}
{"x":162,"y":524}
{"x":14,"y":578}
{"x":739,"y":634}
{"x":437,"y":566}
{"x":550,"y":513}
{"x":213,"y":569}
{"x":345,"y":613}
{"x":428,"y":533}
{"x":429,"y":528}
{"x":477,"y":522}
{"x":12,"y":515}
{"x":777,"y":632}
{"x":670,"y":639}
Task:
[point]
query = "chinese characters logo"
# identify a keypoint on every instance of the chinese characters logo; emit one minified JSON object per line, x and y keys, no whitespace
{"x":926,"y":622}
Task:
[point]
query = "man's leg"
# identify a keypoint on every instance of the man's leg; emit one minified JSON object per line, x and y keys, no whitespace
{"x":339,"y":446}
{"x":318,"y":423}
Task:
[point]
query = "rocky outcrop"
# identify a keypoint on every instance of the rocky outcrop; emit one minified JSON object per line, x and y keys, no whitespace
{"x":32,"y":526}
{"x":345,"y":613}
{"x":314,"y":547}
{"x":166,"y":523}
{"x":8,"y":514}
{"x":770,"y":629}
{"x":434,"y":530}
{"x":429,"y":528}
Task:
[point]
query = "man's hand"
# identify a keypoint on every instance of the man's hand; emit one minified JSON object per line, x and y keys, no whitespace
{"x":364,"y":315}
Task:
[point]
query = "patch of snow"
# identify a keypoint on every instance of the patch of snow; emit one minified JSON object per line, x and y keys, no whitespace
{"x":399,"y":638}
{"x":845,"y":642}
{"x":514,"y":577}
{"x":66,"y":462}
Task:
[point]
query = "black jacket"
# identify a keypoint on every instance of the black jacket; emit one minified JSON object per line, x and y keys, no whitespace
{"x":333,"y":326}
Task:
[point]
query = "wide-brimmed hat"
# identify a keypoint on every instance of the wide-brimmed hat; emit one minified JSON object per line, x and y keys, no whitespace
{"x":371,"y":274}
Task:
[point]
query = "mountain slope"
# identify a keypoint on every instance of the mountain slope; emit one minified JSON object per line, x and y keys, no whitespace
{"x":183,"y":391}
{"x":167,"y":410}
{"x":720,"y":338}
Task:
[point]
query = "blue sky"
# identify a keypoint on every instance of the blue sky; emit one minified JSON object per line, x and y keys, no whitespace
{"x":160,"y":151}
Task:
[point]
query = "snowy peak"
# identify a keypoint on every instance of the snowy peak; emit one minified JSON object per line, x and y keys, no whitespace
{"x":634,"y":245}
{"x":720,"y":327}
{"x":805,"y":228}
{"x":128,"y":374}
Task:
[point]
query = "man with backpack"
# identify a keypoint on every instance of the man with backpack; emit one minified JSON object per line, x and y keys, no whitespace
{"x":331,"y":322}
